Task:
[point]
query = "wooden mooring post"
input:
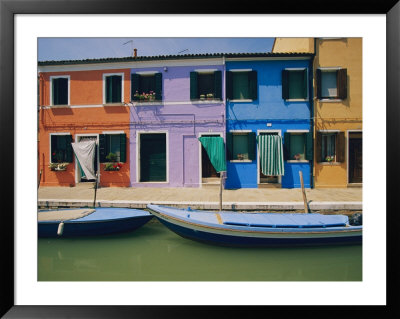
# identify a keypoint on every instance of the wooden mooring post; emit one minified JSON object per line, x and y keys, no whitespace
{"x":304,"y":192}
{"x":220,"y":191}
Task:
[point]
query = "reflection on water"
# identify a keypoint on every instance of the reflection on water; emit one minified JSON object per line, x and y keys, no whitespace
{"x":154,"y":253}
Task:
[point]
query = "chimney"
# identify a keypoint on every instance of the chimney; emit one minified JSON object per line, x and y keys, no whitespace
{"x":135,"y":53}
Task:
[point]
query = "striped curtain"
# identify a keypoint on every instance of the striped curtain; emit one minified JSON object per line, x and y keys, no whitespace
{"x":271,"y":154}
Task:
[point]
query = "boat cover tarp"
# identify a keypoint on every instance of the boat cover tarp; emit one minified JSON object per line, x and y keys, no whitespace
{"x":214,"y":146}
{"x":84,"y":152}
{"x":64,"y":214}
{"x":271,"y":154}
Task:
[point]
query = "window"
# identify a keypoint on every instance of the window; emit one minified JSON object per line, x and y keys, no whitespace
{"x":294,"y":84}
{"x":207,"y":85}
{"x":113,"y":88}
{"x":146,"y":87}
{"x":59,"y":91}
{"x":241,"y":85}
{"x":298,"y":146}
{"x":114,"y":143}
{"x":241,"y":146}
{"x":331,"y":83}
{"x":330,"y":146}
{"x":60,"y":148}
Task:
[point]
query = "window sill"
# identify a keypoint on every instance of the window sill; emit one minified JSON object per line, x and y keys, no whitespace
{"x":242,"y":101}
{"x":298,"y":161}
{"x":330,"y":100}
{"x":296,"y":100}
{"x":330,"y":163}
{"x":114,"y":104}
{"x":147,"y":103}
{"x":240,"y":161}
{"x":59,"y":106}
{"x":205,"y":101}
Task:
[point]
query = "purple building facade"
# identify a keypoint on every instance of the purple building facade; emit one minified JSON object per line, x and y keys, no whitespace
{"x":174,"y":103}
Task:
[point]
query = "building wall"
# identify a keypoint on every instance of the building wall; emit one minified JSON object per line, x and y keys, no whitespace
{"x":287,"y":45}
{"x":85,"y":115}
{"x":183,"y":121}
{"x":269,"y":112}
{"x":342,"y":115}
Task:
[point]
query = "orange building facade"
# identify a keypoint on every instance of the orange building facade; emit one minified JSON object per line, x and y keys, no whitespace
{"x":75,"y":105}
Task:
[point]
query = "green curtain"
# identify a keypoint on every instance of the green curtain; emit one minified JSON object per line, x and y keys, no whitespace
{"x":80,"y":168}
{"x":214,"y":146}
{"x":271,"y":154}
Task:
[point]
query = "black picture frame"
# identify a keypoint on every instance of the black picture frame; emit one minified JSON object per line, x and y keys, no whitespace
{"x":8,"y":10}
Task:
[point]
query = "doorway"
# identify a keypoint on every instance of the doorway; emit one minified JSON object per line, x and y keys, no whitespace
{"x":267,"y":180}
{"x":355,"y":157}
{"x":81,"y":178}
{"x":208,"y":172}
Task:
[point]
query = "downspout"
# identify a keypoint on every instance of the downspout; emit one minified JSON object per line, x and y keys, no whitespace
{"x":224,"y":123}
{"x":312,"y":122}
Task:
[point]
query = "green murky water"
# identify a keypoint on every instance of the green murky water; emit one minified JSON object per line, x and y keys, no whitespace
{"x":154,"y":253}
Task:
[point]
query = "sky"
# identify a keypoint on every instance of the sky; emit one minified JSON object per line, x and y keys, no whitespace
{"x":94,"y":48}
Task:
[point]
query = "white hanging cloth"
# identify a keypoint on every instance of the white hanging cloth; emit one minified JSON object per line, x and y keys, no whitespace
{"x":84,"y":152}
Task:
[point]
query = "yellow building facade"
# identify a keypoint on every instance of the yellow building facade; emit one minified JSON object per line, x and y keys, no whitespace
{"x":337,"y":107}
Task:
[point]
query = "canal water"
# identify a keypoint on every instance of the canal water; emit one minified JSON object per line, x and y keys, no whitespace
{"x":154,"y":253}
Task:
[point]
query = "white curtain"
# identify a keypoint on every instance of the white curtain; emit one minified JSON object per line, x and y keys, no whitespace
{"x":84,"y":152}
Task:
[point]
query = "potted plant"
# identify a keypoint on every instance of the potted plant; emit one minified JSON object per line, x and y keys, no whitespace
{"x":210,"y":96}
{"x":113,"y":165}
{"x":297,"y":157}
{"x":202,"y":97}
{"x":329,"y":158}
{"x":58,"y":166}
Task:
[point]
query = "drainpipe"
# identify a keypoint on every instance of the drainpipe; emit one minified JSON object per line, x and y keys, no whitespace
{"x":312,"y":122}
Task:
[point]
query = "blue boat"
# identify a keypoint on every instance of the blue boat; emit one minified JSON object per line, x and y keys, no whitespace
{"x":90,"y":222}
{"x":258,"y":229}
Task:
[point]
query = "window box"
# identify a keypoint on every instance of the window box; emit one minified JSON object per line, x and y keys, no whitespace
{"x":240,"y":146}
{"x":112,"y":166}
{"x":58,"y":166}
{"x":294,"y":84}
{"x":297,"y":147}
{"x":241,"y":85}
{"x":331,"y":84}
{"x":330,"y":147}
{"x":146,"y":87}
{"x":207,"y":85}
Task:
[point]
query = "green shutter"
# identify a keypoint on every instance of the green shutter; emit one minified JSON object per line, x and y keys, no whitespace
{"x":252,"y":145}
{"x":122,"y":150}
{"x":158,"y":86}
{"x":193,"y":86}
{"x":318,"y":148}
{"x":318,"y":76}
{"x":342,"y":83}
{"x":229,"y":146}
{"x":218,"y":85}
{"x":103,"y":148}
{"x":135,"y":85}
{"x":285,"y":84}
{"x":108,"y":89}
{"x":116,"y":88}
{"x":68,"y":147}
{"x":340,"y":147}
{"x":286,"y":146}
{"x":253,"y":85}
{"x":55,"y":92}
{"x":229,"y":85}
{"x":305,"y":86}
{"x":309,"y":146}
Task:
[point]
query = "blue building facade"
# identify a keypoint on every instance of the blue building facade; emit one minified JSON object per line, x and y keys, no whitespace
{"x":269,"y":96}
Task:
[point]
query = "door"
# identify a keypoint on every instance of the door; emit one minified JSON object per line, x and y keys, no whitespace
{"x":81,"y":174}
{"x":207,"y":169}
{"x":355,"y":158}
{"x":153,"y":157}
{"x":265,"y":179}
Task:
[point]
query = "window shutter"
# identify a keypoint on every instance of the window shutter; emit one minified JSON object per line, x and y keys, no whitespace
{"x":340,"y":147}
{"x":218,"y":85}
{"x":286,"y":146}
{"x":309,"y":146}
{"x":229,"y":85}
{"x":342,"y":83}
{"x":229,"y":146}
{"x":193,"y":86}
{"x":285,"y":84}
{"x":122,"y":150}
{"x":68,"y":147}
{"x":305,"y":86}
{"x":55,"y":92}
{"x":318,"y":148}
{"x":53,"y":148}
{"x":158,"y":77}
{"x":253,"y":85}
{"x":252,"y":145}
{"x":318,"y":77}
{"x":102,"y":148}
{"x":116,"y":88}
{"x":135,"y":85}
{"x":108,"y":89}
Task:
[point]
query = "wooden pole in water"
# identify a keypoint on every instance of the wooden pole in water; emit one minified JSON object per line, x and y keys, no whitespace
{"x":303,"y":191}
{"x":40,"y":177}
{"x":220,"y":191}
